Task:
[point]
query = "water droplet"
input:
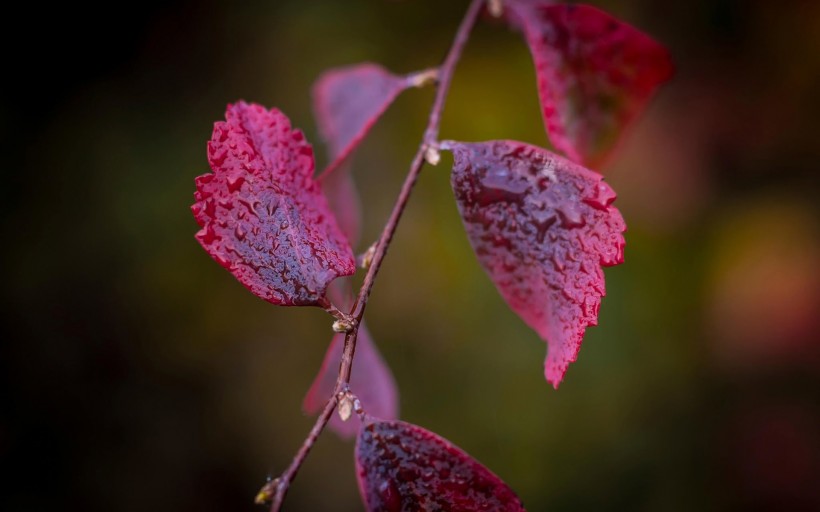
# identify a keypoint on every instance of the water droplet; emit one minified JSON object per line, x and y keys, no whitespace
{"x":390,"y":498}
{"x":542,"y":214}
{"x":557,"y":263}
{"x":604,"y":196}
{"x":235,"y":183}
{"x":217,"y":157}
{"x":548,"y":171}
{"x":570,"y":215}
{"x":208,"y":235}
{"x":500,"y":178}
{"x":499,"y":184}
{"x":210,"y":208}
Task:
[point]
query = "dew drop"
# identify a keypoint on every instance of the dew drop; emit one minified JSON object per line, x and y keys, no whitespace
{"x":389,"y":495}
{"x":235,"y":183}
{"x":570,"y":215}
{"x":209,"y":235}
{"x":218,"y":158}
{"x":210,"y":208}
{"x":499,"y":184}
{"x":604,"y":196}
{"x":557,"y":263}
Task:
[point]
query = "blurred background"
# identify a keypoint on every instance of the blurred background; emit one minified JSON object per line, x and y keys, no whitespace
{"x":139,"y":375}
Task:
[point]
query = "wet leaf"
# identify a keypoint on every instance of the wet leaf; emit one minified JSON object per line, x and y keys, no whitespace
{"x":542,"y":227}
{"x":595,"y":74}
{"x":263,"y":216}
{"x":402,"y":467}
{"x":370,"y":379}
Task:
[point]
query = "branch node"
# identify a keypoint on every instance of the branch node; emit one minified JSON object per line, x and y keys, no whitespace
{"x":366,"y":258}
{"x":348,"y":404}
{"x":432,"y":155}
{"x":423,"y":78}
{"x":265,"y":494}
{"x":345,"y":408}
{"x":345,"y":324}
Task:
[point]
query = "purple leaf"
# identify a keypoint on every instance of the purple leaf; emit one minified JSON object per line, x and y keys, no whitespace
{"x":542,"y":227}
{"x":348,"y":102}
{"x":370,"y":379}
{"x":263,"y":216}
{"x":402,"y":467}
{"x":595,"y":74}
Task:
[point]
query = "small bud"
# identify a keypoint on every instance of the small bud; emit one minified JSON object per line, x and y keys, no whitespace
{"x":496,"y":8}
{"x":423,"y":78}
{"x":266,"y":493}
{"x":345,"y":407}
{"x":343,"y":325}
{"x":432,"y":156}
{"x":367,"y":258}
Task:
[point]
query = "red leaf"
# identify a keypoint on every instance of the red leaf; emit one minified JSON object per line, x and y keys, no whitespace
{"x":403,"y":467}
{"x":348,"y":102}
{"x":542,"y":227}
{"x":263,"y":216}
{"x":370,"y":379}
{"x":595,"y":74}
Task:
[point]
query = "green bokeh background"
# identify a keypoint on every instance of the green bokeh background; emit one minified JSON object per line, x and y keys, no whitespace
{"x":139,"y":375}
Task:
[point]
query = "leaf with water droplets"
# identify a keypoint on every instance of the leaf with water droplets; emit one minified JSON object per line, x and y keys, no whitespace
{"x":595,"y":74}
{"x":263,"y":216}
{"x":348,"y":101}
{"x":370,"y":379}
{"x":542,"y":227}
{"x":402,"y":467}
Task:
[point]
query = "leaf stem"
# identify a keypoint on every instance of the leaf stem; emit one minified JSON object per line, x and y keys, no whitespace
{"x":445,"y":75}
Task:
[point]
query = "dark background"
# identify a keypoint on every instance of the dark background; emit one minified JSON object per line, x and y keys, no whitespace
{"x":139,"y":375}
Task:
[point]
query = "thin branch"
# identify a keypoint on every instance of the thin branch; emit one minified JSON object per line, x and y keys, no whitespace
{"x":431,"y":133}
{"x":448,"y":69}
{"x":280,"y":485}
{"x":429,"y":142}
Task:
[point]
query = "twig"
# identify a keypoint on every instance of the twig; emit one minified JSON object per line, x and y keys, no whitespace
{"x":282,"y":483}
{"x":429,"y":142}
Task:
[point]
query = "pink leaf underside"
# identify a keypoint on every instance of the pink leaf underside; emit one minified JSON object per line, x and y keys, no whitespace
{"x":403,"y":467}
{"x":542,"y":227}
{"x":343,"y":198}
{"x":370,"y":379}
{"x":595,"y":74}
{"x":263,"y":216}
{"x":348,"y":101}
